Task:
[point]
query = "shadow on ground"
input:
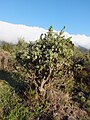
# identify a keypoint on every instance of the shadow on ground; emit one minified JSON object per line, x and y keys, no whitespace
{"x":14,"y":81}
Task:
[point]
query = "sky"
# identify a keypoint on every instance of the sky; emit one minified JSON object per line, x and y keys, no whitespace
{"x":74,"y":14}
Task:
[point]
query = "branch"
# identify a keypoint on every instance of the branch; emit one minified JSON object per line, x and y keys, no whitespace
{"x":44,"y":81}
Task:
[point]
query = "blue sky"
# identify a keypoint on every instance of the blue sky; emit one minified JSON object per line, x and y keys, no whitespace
{"x":74,"y":14}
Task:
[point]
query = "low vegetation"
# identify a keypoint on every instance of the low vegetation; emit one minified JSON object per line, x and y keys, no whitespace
{"x":48,"y":79}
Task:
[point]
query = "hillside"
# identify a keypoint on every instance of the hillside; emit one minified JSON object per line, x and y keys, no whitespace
{"x":44,"y":80}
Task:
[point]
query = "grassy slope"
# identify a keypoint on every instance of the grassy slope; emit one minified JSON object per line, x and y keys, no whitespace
{"x":11,"y":106}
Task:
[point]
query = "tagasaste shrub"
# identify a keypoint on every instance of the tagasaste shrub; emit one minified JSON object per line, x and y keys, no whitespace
{"x":46,"y":58}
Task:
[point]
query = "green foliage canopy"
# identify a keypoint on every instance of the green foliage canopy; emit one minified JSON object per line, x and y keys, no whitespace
{"x":48,"y":55}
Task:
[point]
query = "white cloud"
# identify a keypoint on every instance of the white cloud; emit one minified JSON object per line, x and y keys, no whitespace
{"x":11,"y":32}
{"x":80,"y":40}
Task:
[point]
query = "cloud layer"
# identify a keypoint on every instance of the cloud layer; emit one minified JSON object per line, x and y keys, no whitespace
{"x":80,"y":40}
{"x":11,"y":32}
